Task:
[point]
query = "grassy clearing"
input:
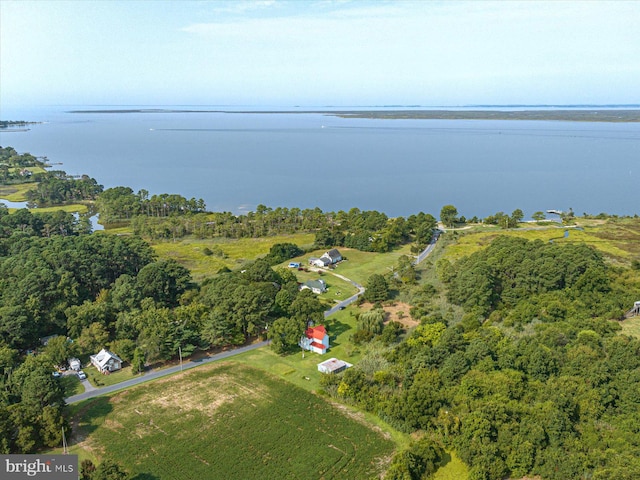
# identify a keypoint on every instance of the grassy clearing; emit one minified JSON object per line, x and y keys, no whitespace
{"x":229,"y":421}
{"x":31,"y":169}
{"x":72,"y":208}
{"x":124,"y":230}
{"x":452,"y":468}
{"x":189,"y":252}
{"x":619,"y":240}
{"x":16,"y":193}
{"x":631,"y":326}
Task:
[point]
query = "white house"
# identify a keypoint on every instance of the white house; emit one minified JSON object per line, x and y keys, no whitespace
{"x":315,"y":339}
{"x":333,"y":365}
{"x":319,"y":262}
{"x":105,"y":361}
{"x":316,"y":286}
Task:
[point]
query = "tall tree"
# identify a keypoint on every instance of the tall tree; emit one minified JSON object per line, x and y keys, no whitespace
{"x":376,"y":289}
{"x":448,"y":215}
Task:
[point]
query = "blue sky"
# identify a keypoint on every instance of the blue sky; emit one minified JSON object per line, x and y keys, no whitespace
{"x":313,"y":53}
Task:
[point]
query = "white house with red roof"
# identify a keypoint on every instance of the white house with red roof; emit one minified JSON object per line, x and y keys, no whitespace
{"x":315,"y":339}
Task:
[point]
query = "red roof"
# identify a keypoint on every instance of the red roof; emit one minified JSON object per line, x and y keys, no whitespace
{"x":317,"y":333}
{"x":318,"y":345}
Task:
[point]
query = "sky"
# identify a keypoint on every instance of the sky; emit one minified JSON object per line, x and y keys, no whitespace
{"x":318,"y":52}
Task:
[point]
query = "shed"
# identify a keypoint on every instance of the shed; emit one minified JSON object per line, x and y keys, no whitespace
{"x":74,"y":364}
{"x":333,"y":365}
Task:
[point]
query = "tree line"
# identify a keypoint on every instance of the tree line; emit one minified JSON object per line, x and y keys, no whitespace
{"x":171,"y":217}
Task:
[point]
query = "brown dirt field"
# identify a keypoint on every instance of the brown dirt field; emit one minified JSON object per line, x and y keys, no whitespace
{"x":391,"y":313}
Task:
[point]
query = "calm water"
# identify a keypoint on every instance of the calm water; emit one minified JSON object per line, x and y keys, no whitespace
{"x":237,"y":161}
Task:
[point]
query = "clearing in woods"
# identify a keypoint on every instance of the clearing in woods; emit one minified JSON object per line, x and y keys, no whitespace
{"x":229,"y":421}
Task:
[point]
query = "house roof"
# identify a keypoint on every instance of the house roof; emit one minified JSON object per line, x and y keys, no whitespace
{"x":325,"y":259}
{"x":103,"y":357}
{"x":317,"y":333}
{"x":318,"y":345}
{"x":333,"y":253}
{"x":319,"y":284}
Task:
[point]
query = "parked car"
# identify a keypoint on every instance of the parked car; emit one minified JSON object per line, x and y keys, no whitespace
{"x":82,"y":375}
{"x":56,"y":374}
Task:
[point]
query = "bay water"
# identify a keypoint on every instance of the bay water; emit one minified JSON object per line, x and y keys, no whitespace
{"x":236,"y":161}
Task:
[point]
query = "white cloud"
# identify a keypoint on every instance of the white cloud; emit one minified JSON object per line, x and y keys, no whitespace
{"x":240,"y":7}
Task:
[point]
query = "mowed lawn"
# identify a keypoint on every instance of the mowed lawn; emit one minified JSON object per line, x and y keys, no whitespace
{"x":337,"y":288}
{"x":228,"y":421}
{"x":359,"y":266}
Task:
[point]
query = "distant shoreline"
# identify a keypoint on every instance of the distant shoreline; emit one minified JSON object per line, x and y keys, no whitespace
{"x":587,"y":115}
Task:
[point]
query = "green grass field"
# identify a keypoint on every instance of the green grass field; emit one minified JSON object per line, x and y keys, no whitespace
{"x":618,"y":239}
{"x":16,"y":193}
{"x":31,"y":169}
{"x":452,"y":469}
{"x":71,"y":208}
{"x":190,"y":252}
{"x":99,"y":380}
{"x":359,"y":266}
{"x":229,"y":421}
{"x":337,"y":289}
{"x":631,"y":326}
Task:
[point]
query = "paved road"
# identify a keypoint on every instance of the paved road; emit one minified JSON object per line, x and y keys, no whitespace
{"x":427,"y":251}
{"x":161,"y":373}
{"x":349,"y":300}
